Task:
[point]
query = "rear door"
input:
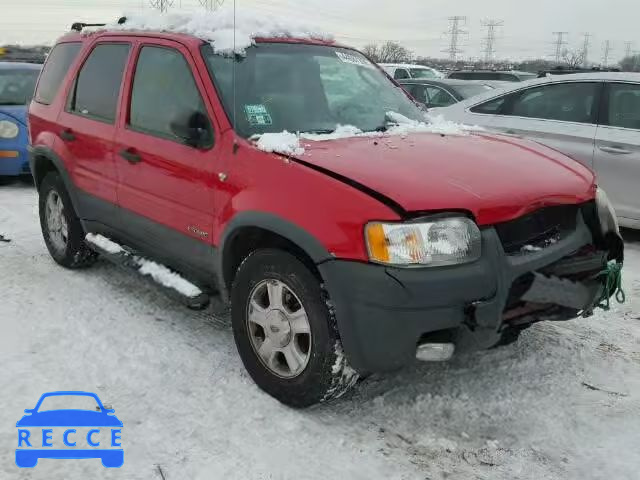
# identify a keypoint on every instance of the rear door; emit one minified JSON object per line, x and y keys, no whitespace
{"x":87,"y":129}
{"x":617,"y":158}
{"x":166,"y":187}
{"x":560,"y":115}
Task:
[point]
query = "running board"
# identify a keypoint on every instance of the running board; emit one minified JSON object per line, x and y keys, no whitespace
{"x":169,"y":282}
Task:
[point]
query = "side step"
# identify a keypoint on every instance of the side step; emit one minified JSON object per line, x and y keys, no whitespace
{"x":170,"y":282}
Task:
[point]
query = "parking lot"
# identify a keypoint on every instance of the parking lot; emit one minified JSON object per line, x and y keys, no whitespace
{"x":561,"y":403}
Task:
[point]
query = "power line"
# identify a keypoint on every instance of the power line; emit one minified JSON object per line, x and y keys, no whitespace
{"x":606,"y":53}
{"x":585,"y":49}
{"x":560,"y":42}
{"x":212,"y":5}
{"x":162,"y":5}
{"x":490,"y":39}
{"x":454,"y":33}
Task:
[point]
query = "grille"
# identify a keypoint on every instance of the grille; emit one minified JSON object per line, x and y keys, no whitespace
{"x":538,"y":229}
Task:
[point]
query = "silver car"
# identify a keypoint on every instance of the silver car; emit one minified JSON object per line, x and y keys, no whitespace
{"x":592,"y":117}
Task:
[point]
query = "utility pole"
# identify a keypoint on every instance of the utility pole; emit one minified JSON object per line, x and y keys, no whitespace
{"x":454,"y":33}
{"x":162,"y":5}
{"x":212,"y":5}
{"x":607,"y":52}
{"x":628,"y":49}
{"x":560,"y":42}
{"x":585,"y":49}
{"x":490,"y":39}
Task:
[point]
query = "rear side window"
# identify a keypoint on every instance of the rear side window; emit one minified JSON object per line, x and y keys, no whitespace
{"x":492,"y":107}
{"x":57,"y":66}
{"x":98,"y":84}
{"x":164,"y":92}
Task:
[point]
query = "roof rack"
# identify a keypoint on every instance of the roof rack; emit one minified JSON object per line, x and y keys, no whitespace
{"x":79,"y":26}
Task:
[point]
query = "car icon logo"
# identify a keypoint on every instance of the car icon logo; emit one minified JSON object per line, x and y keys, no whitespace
{"x":69,"y":433}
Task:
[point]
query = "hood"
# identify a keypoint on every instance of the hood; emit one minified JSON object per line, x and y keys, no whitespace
{"x":16,"y":112}
{"x":495,"y":178}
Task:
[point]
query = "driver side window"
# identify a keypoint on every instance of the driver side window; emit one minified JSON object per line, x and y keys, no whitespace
{"x":164,"y":91}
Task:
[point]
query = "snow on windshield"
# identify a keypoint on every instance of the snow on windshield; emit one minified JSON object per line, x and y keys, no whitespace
{"x":217,"y":27}
{"x":287,"y":143}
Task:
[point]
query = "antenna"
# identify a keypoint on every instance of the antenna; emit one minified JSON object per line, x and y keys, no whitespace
{"x":585,"y":49}
{"x":606,"y":53}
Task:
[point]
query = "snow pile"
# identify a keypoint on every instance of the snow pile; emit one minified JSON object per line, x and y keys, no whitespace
{"x":167,"y":278}
{"x":284,"y":142}
{"x":104,"y":243}
{"x":218,"y":27}
{"x":159,"y":273}
{"x":435,"y":124}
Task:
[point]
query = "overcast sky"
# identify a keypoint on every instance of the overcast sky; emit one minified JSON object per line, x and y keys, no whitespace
{"x":418,"y":24}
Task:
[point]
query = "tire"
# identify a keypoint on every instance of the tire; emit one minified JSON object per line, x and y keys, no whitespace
{"x":72,"y":252}
{"x":326,"y":373}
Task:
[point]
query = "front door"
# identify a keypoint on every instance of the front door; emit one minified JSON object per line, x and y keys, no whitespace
{"x":560,"y":115}
{"x":166,"y":185}
{"x":617,"y":161}
{"x":87,"y":128}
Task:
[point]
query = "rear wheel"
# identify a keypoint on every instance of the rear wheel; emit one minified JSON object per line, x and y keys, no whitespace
{"x":61,"y":228}
{"x":285,"y":330}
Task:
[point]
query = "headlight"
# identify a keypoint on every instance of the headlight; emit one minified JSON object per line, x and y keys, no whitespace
{"x":606,"y":213}
{"x":8,"y":129}
{"x":445,"y":241}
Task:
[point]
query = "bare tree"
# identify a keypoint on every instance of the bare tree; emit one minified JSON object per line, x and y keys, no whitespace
{"x":393,"y":52}
{"x":573,"y":58}
{"x":372,"y":51}
{"x":631,"y":64}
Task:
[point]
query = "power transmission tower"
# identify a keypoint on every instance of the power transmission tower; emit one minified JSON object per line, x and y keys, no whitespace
{"x":162,"y":5}
{"x":606,"y":53}
{"x":454,"y":33}
{"x":560,"y":42}
{"x":490,"y":39}
{"x":212,"y":5}
{"x":585,"y":49}
{"x":628,"y":49}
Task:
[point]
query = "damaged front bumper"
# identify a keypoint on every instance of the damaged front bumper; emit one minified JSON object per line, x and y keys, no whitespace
{"x":384,"y":313}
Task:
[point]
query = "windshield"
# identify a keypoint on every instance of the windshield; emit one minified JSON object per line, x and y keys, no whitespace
{"x":467,"y":91}
{"x":305,"y":88}
{"x":17,"y":86}
{"x":422,"y":73}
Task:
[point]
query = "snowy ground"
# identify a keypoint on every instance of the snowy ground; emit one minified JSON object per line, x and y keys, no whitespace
{"x":191,"y":412}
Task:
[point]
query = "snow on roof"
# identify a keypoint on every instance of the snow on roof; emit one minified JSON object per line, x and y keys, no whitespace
{"x":217,"y":27}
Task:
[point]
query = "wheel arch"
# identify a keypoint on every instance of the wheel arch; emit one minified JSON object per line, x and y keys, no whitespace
{"x":248,"y":231}
{"x":43,"y":160}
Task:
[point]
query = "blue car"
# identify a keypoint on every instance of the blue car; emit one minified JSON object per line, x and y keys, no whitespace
{"x":17,"y":84}
{"x":104,"y":442}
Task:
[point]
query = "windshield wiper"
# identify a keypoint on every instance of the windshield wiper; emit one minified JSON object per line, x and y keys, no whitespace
{"x":319,"y":131}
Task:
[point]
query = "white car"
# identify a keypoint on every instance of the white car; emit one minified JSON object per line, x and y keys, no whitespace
{"x":405,"y":71}
{"x":592,"y":117}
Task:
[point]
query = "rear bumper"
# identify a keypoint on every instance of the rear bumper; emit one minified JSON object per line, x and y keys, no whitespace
{"x":383,"y":313}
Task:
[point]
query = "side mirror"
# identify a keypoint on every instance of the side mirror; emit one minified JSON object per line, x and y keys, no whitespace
{"x":194,"y":129}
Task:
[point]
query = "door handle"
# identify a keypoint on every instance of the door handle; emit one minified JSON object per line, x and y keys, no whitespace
{"x":130,"y":156}
{"x":67,"y":135}
{"x":615,"y":150}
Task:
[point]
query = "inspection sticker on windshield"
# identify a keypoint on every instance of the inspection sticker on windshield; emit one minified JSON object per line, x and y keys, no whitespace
{"x":354,"y":59}
{"x":257,"y":115}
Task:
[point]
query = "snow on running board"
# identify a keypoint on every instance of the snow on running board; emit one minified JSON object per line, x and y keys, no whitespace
{"x":157,"y":272}
{"x":217,"y":27}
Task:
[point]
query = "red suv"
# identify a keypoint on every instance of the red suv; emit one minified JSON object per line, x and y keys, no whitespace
{"x":343,"y":257}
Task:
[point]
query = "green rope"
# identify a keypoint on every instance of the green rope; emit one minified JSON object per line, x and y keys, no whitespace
{"x":612,"y":285}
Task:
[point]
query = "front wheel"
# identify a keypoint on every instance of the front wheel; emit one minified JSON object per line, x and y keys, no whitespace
{"x":61,"y":228}
{"x":286,"y":332}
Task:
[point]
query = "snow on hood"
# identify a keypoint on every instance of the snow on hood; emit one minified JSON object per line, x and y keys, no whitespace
{"x":287,"y":143}
{"x":218,"y":27}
